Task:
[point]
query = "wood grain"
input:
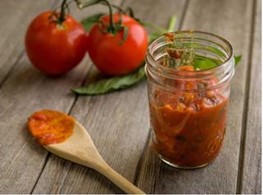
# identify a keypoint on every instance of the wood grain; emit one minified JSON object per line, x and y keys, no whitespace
{"x":118,"y":124}
{"x":117,"y":132}
{"x":221,"y":176}
{"x":105,"y":112}
{"x":80,"y":149}
{"x":26,"y":90}
{"x":157,"y":13}
{"x":14,"y":18}
{"x":250,"y":178}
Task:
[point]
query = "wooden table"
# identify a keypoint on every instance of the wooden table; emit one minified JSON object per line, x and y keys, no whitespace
{"x":119,"y":122}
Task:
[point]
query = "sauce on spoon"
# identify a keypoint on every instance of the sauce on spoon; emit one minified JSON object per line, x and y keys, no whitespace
{"x":50,"y":126}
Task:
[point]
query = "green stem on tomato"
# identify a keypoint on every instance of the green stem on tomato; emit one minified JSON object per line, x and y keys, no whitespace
{"x":172,"y":23}
{"x":81,"y":5}
{"x":111,"y":27}
{"x":62,"y":15}
{"x":87,"y":4}
{"x":129,"y":9}
{"x":92,"y":2}
{"x":118,"y":8}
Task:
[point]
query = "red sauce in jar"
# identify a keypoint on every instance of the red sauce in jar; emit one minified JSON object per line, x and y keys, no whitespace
{"x":188,"y":127}
{"x":50,"y":127}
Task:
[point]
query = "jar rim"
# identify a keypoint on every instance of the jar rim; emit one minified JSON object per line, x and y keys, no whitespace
{"x":218,"y":68}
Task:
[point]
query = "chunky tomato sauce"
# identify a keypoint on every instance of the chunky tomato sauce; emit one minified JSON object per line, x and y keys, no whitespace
{"x":50,"y":127}
{"x":188,"y":127}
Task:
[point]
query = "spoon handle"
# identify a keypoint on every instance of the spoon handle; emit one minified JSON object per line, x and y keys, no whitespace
{"x":118,"y":179}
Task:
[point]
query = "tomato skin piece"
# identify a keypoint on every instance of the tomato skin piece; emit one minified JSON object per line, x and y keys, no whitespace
{"x":113,"y":55}
{"x":54,"y":48}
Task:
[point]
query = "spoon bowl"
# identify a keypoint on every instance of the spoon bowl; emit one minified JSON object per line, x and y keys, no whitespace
{"x":79,"y":148}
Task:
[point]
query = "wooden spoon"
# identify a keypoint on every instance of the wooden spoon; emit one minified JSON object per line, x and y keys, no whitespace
{"x":79,"y":148}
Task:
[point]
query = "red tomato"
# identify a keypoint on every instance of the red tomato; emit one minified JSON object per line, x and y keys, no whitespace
{"x":55,"y":48}
{"x":113,"y":54}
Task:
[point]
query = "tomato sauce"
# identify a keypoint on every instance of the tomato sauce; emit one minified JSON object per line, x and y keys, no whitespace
{"x":50,"y":127}
{"x":188,"y":127}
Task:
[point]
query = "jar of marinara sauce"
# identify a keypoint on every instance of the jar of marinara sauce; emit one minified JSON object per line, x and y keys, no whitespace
{"x":189,"y":74}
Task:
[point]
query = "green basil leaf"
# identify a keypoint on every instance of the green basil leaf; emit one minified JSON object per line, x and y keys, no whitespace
{"x":91,"y":20}
{"x":214,"y":50}
{"x":204,"y":64}
{"x":112,"y":84}
{"x":117,"y":83}
{"x":237,"y":59}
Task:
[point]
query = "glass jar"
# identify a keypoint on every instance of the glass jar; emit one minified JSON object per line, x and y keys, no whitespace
{"x":189,"y":74}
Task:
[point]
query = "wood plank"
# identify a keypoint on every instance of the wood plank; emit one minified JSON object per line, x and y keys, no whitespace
{"x":118,"y":124}
{"x":22,"y":159}
{"x":251,"y":175}
{"x":25,"y":91}
{"x":221,"y":176}
{"x":56,"y":170}
{"x":158,"y":13}
{"x":14,"y":19}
